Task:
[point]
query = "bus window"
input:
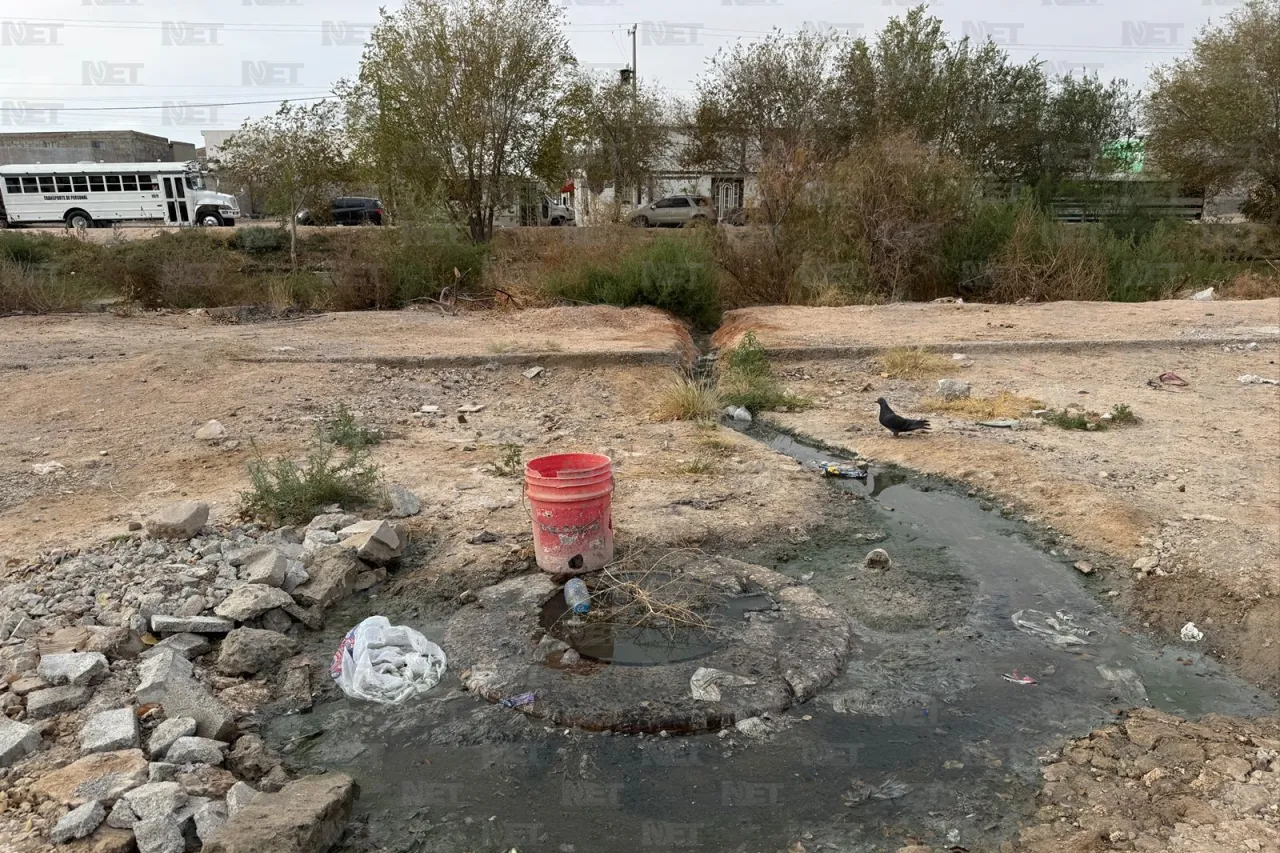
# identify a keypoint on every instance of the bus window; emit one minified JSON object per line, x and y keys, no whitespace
{"x":13,"y":185}
{"x":29,"y":185}
{"x":113,"y":183}
{"x":130,"y":183}
{"x":146,"y":183}
{"x":64,"y":183}
{"x":46,"y":184}
{"x":81,"y":185}
{"x":95,"y":184}
{"x":195,"y":182}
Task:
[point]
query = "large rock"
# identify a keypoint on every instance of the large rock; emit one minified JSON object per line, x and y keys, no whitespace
{"x":333,"y":571}
{"x":164,"y":735}
{"x":196,"y":750}
{"x":210,"y":815}
{"x":306,"y":816}
{"x":251,"y":758}
{"x":239,"y":796}
{"x":109,"y":731}
{"x":17,"y":740}
{"x":167,"y":679}
{"x":188,"y":645}
{"x":266,"y":566}
{"x":250,"y":600}
{"x":180,"y":520}
{"x":404,"y":503}
{"x":101,"y":776}
{"x":56,"y":700}
{"x":952,"y":389}
{"x":155,"y":799}
{"x":74,"y":668}
{"x":375,"y":541}
{"x":160,"y":835}
{"x":78,"y":822}
{"x":249,"y":651}
{"x":190,"y":624}
{"x":204,"y":780}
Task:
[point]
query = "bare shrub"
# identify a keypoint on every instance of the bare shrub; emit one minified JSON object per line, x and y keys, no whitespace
{"x":1043,"y":262}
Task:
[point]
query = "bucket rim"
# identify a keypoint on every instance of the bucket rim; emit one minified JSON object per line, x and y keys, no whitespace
{"x":584,"y":470}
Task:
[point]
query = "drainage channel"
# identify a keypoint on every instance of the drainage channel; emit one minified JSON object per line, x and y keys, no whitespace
{"x":922,"y":735}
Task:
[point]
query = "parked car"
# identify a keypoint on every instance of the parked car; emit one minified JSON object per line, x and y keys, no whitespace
{"x":676,"y":210}
{"x":346,"y":211}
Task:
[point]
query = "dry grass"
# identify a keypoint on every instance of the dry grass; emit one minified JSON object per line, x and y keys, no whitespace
{"x":1252,"y":285}
{"x":699,"y":466}
{"x":686,"y":399}
{"x":913,"y":363}
{"x":1003,"y":405}
{"x":651,"y":597}
{"x":718,"y":447}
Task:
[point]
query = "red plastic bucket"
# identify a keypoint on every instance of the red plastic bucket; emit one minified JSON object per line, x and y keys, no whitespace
{"x":571,"y":497}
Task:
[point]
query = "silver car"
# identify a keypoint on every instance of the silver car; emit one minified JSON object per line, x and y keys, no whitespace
{"x":676,"y":210}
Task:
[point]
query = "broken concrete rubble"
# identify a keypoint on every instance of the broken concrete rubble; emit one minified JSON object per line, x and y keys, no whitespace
{"x":56,"y":700}
{"x":375,"y":541}
{"x":306,"y":816}
{"x":190,"y":624}
{"x":164,"y":735}
{"x":17,"y":740}
{"x":181,"y":520}
{"x":196,"y":750}
{"x":251,"y":650}
{"x":108,"y":731}
{"x":77,"y":668}
{"x":168,"y":679}
{"x":78,"y":822}
{"x":250,"y":600}
{"x":265,"y":566}
{"x":100,"y":776}
{"x":333,"y":571}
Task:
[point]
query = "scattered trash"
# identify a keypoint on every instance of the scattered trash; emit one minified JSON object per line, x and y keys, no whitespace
{"x":844,"y":470}
{"x":1191,"y":634}
{"x":429,"y":410}
{"x":1171,"y":379}
{"x":43,"y":468}
{"x":706,"y":683}
{"x":860,"y":792}
{"x":1205,"y":295}
{"x":953,"y":837}
{"x":1002,"y":424}
{"x":960,"y":359}
{"x":737,"y":413}
{"x":386,"y":663}
{"x":517,"y":701}
{"x":877,"y":558}
{"x":471,"y":408}
{"x":577,"y":596}
{"x":1058,"y":628}
{"x":532,"y":372}
{"x":1253,"y":379}
{"x":1128,"y":685}
{"x":806,"y":577}
{"x":211,"y":431}
{"x":1018,"y":679}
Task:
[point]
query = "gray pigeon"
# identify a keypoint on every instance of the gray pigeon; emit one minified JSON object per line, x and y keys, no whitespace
{"x":896,"y":423}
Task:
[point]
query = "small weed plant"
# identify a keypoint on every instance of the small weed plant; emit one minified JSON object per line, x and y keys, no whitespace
{"x":285,"y":491}
{"x":344,"y":430}
{"x":747,"y":380}
{"x":510,"y":461}
{"x":686,"y":399}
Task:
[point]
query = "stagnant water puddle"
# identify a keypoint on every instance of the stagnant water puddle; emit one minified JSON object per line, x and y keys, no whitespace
{"x":920,"y":736}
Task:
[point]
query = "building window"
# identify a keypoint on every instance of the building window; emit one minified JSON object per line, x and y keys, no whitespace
{"x":130,"y":183}
{"x":80,"y":184}
{"x":13,"y":185}
{"x":113,"y":183}
{"x":95,"y":184}
{"x":64,"y":183}
{"x":46,"y":184}
{"x":98,"y":143}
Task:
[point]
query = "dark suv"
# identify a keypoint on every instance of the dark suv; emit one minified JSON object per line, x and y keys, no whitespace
{"x":348,"y":211}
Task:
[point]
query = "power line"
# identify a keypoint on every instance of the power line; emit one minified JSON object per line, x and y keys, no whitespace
{"x":165,"y":106}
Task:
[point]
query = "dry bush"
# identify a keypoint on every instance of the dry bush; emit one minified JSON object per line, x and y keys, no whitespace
{"x":525,"y":259}
{"x":652,"y":597}
{"x":27,"y":290}
{"x":1003,"y":405}
{"x":1044,"y":262}
{"x":1252,"y":285}
{"x":913,"y":363}
{"x":686,"y":399}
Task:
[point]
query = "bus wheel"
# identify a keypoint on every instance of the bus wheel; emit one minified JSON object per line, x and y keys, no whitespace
{"x":210,"y":220}
{"x":78,"y":219}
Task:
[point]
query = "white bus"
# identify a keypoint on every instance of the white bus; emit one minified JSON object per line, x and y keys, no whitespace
{"x":87,"y":194}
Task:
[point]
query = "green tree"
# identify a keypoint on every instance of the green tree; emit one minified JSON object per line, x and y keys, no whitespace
{"x":458,"y":97}
{"x":624,"y":133}
{"x":1213,"y":117}
{"x":294,"y":158}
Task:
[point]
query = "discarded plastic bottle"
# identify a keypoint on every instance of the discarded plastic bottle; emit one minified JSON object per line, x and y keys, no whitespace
{"x":577,"y":597}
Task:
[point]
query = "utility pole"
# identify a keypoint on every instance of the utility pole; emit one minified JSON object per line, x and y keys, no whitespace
{"x":632,"y":33}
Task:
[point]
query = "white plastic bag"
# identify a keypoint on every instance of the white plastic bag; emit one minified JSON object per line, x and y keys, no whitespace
{"x":386,"y":663}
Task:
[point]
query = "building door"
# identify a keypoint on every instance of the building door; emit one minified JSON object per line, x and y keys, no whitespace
{"x":728,"y":194}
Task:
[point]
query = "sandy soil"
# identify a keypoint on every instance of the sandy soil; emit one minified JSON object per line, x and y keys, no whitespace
{"x":116,"y":402}
{"x":1197,"y":483}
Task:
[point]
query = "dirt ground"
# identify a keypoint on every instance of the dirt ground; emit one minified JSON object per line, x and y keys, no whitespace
{"x":116,"y":402}
{"x":1197,"y":483}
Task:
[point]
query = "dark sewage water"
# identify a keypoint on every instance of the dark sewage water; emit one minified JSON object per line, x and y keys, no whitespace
{"x":930,"y":733}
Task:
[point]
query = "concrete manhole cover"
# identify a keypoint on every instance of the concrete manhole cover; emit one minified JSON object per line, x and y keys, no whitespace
{"x":750,"y":622}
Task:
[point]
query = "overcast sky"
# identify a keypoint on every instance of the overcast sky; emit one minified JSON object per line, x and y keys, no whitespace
{"x":158,"y":65}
